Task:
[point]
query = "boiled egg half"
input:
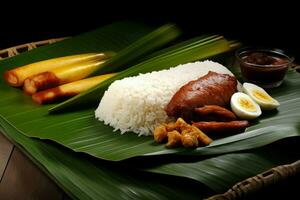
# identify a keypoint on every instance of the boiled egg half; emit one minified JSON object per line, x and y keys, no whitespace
{"x":260,"y":96}
{"x":244,"y":107}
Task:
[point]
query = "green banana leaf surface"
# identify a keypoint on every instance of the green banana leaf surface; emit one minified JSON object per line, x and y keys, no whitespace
{"x":84,"y":179}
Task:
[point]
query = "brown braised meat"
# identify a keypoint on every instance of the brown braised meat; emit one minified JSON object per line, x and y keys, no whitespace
{"x":214,"y":113}
{"x":222,"y":127}
{"x":211,"y":89}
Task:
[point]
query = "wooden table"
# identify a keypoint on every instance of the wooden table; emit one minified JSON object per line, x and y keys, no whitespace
{"x":21,"y":179}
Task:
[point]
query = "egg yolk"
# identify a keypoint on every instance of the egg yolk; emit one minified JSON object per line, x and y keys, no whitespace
{"x":246,"y":104}
{"x":262,"y":96}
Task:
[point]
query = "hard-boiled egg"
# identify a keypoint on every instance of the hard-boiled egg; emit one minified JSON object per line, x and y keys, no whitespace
{"x":260,"y":96}
{"x":244,"y":107}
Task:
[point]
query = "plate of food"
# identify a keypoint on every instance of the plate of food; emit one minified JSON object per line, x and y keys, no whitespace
{"x":187,"y":99}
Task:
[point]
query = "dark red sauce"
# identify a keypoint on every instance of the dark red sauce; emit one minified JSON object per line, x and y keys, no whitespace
{"x":264,"y":68}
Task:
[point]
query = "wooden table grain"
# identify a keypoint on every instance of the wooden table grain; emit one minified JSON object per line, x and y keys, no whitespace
{"x":21,"y":179}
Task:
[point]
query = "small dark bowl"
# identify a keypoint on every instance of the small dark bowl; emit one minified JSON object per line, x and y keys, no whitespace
{"x":264,"y":66}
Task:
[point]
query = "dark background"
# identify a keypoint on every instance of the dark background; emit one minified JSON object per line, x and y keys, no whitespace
{"x":273,"y":24}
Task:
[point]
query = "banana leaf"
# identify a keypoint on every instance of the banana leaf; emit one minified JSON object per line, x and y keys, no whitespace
{"x":223,"y":171}
{"x":81,"y":178}
{"x":150,"y":42}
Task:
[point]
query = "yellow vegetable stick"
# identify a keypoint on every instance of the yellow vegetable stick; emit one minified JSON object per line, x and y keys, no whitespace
{"x":69,"y":89}
{"x":59,"y":76}
{"x":16,"y":77}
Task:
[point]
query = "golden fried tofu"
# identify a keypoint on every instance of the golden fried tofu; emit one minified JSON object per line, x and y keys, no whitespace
{"x":202,"y":137}
{"x":181,"y":124}
{"x":160,"y":133}
{"x":171,"y":126}
{"x":189,"y":140}
{"x":180,"y":133}
{"x":174,"y":139}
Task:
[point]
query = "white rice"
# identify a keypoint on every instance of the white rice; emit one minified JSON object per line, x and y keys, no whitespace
{"x":137,"y":103}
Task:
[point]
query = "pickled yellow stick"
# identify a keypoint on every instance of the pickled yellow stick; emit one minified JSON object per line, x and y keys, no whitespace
{"x":16,"y":77}
{"x":59,"y":76}
{"x":69,"y":89}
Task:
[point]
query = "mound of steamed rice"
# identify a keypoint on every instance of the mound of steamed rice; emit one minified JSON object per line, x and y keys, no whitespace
{"x":137,"y":103}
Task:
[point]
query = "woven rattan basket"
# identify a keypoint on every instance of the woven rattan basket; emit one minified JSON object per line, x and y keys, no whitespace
{"x":12,"y":51}
{"x":240,"y":190}
{"x":257,"y":183}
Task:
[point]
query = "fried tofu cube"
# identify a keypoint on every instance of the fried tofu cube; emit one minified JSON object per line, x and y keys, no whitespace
{"x":202,"y":137}
{"x":189,"y":140}
{"x":174,"y":139}
{"x":181,"y":124}
{"x":160,"y":134}
{"x":171,"y":126}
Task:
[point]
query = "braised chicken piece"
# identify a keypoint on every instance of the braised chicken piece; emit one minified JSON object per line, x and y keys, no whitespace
{"x":211,"y":89}
{"x":214,"y":113}
{"x":222,"y":127}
